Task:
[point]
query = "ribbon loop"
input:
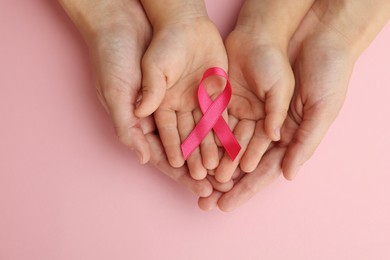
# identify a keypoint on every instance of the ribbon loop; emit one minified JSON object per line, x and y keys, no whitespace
{"x":212,"y":118}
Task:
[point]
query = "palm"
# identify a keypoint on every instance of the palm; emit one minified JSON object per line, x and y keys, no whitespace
{"x":322,"y":72}
{"x":116,"y":52}
{"x":255,"y":69}
{"x":322,"y":69}
{"x":175,"y":61}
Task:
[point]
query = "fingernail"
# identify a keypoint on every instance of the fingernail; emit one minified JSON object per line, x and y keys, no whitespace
{"x":277,"y":133}
{"x":140,"y":158}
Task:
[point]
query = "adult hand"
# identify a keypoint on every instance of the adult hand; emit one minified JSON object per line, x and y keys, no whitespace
{"x":262,"y":78}
{"x":117,"y":33}
{"x":322,"y":52}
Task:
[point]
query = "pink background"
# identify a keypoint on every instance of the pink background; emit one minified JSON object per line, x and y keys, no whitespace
{"x":69,"y":190}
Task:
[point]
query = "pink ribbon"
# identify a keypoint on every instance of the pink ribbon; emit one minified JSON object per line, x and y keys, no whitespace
{"x":212,"y":118}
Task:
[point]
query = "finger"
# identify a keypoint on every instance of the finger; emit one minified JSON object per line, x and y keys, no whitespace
{"x":211,"y":202}
{"x":181,"y":175}
{"x":250,"y":184}
{"x":167,"y":127}
{"x":221,"y":151}
{"x":147,"y":125}
{"x":232,"y":122}
{"x":236,"y":173}
{"x":222,"y":187}
{"x":208,"y":147}
{"x":305,"y":141}
{"x":238,"y":177}
{"x":277,"y":102}
{"x":243,"y":132}
{"x":185,"y":125}
{"x":256,"y":148}
{"x":120,"y":100}
{"x":154,"y":85}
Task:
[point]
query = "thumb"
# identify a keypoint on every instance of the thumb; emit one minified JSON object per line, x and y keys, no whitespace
{"x":154,"y":86}
{"x":306,"y":140}
{"x":277,"y":103}
{"x":120,"y":103}
{"x":117,"y":88}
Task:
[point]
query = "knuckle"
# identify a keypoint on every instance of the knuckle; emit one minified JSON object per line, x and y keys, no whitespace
{"x":98,"y":91}
{"x":148,"y":90}
{"x":123,"y":136}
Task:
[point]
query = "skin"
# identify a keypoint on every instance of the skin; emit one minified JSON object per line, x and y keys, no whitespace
{"x":262,"y":78}
{"x":333,"y":32}
{"x":117,"y":33}
{"x":185,"y":43}
{"x":322,"y":53}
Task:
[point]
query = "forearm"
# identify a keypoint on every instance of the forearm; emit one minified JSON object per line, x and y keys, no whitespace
{"x":356,"y":22}
{"x":171,"y":11}
{"x":274,"y":20}
{"x":91,"y":16}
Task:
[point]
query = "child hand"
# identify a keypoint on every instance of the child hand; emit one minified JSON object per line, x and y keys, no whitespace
{"x":263,"y":83}
{"x":182,"y":48}
{"x":261,"y":76}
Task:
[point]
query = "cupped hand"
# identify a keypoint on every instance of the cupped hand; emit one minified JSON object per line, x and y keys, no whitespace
{"x":322,"y":53}
{"x":173,"y":65}
{"x":263,"y":83}
{"x":322,"y":74}
{"x":117,"y":33}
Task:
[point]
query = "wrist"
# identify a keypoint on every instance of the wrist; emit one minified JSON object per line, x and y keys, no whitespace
{"x":174,"y":11}
{"x":93,"y":17}
{"x":354,"y":22}
{"x":272,"y":21}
